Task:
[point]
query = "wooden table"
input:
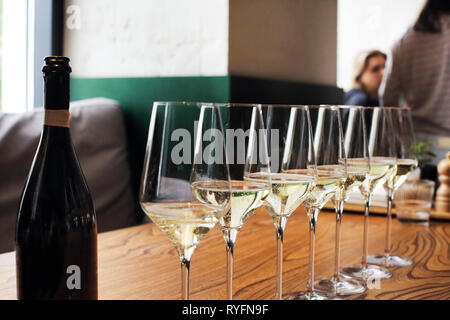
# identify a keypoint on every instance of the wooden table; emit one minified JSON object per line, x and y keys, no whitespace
{"x":140,"y":262}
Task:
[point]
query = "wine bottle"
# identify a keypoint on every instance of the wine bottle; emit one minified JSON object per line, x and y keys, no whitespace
{"x":56,"y":228}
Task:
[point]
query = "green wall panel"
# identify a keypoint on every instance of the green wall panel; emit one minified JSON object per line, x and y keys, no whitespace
{"x":136,"y":97}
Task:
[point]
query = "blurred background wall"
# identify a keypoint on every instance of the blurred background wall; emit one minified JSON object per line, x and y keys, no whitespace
{"x":140,"y":51}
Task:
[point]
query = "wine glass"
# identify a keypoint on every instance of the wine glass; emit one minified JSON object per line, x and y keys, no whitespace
{"x":165,"y":194}
{"x":246,"y":153}
{"x":355,"y":146}
{"x":404,"y":142}
{"x":331,"y":176}
{"x":292,"y":169}
{"x":382,"y":163}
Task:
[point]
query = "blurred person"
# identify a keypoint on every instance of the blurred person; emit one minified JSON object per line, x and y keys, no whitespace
{"x":368,"y":72}
{"x":418,"y":73}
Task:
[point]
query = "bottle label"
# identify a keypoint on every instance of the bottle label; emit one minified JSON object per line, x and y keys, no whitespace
{"x":57,"y":118}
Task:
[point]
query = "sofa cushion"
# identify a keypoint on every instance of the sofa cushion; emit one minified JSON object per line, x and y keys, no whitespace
{"x":98,"y":135}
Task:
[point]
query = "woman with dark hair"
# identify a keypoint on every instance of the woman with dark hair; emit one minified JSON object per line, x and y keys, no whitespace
{"x":418,"y":71}
{"x":430,"y":18}
{"x":368,"y":72}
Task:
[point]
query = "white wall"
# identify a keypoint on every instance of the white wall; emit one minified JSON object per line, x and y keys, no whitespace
{"x":133,"y":38}
{"x":276,"y":39}
{"x":370,"y":24}
{"x":284,"y":39}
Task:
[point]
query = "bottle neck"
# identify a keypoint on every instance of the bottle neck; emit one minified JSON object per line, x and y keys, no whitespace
{"x":56,"y":91}
{"x":56,"y":136}
{"x":56,"y":99}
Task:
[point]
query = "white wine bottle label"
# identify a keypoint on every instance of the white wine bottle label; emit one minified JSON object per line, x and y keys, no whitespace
{"x":57,"y":118}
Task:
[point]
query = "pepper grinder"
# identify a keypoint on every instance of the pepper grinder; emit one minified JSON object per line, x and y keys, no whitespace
{"x":442,"y":202}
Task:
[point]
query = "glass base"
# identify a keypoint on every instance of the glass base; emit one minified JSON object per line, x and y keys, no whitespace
{"x":342,"y":287}
{"x":305,"y":296}
{"x":389,"y":261}
{"x":371,"y":272}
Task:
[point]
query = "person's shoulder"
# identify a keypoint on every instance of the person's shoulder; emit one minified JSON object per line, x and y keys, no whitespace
{"x":410,"y":40}
{"x":409,"y":34}
{"x":355,"y":97}
{"x":408,"y":37}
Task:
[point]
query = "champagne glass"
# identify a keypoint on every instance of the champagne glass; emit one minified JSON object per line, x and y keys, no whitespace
{"x":246,"y":153}
{"x":355,"y":146}
{"x":292,"y":169}
{"x":404,"y":142}
{"x":382,"y":163}
{"x":331,"y":176}
{"x":165,"y":194}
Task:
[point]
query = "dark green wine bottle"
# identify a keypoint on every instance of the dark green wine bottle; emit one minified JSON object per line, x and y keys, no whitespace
{"x":56,"y":229}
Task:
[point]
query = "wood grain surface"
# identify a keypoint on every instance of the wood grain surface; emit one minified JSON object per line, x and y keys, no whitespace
{"x":140,"y":262}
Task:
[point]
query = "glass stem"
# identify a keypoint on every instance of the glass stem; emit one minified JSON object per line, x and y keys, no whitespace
{"x":280,"y":224}
{"x":312,"y":217}
{"x":339,"y":207}
{"x":230,"y":239}
{"x":390,"y":198}
{"x":366,"y":231}
{"x":185,"y":264}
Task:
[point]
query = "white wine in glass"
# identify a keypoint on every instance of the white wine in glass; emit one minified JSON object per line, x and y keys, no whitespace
{"x":290,"y":148}
{"x":165,"y":194}
{"x":404,"y":141}
{"x":246,"y":196}
{"x":382,"y":167}
{"x":288,"y":191}
{"x":404,"y":168}
{"x":244,"y":126}
{"x":331,"y":176}
{"x":184,"y":223}
{"x":381,"y":170}
{"x":355,"y":145}
{"x":329,"y":182}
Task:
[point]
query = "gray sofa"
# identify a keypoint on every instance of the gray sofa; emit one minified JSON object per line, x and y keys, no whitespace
{"x":99,"y":139}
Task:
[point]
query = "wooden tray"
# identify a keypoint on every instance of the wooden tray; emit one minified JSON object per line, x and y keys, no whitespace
{"x":359,"y":207}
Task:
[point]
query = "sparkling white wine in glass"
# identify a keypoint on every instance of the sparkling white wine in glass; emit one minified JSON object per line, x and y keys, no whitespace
{"x":165,"y":194}
{"x":355,"y":145}
{"x":331,"y":168}
{"x":246,"y":152}
{"x":184,"y":223}
{"x":382,"y":167}
{"x":288,"y":191}
{"x":289,"y":143}
{"x":404,"y":142}
{"x":404,"y":169}
{"x":328,"y":184}
{"x":246,"y":196}
{"x":356,"y":175}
